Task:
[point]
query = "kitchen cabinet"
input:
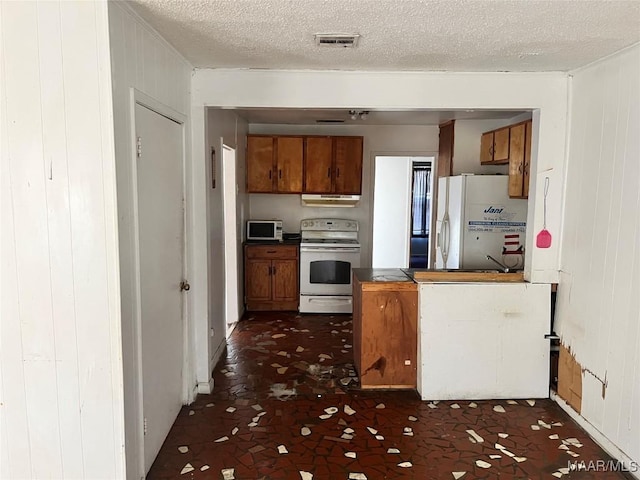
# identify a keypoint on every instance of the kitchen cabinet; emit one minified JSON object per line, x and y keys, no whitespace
{"x":274,"y":164}
{"x":520,"y":160}
{"x":494,"y":147}
{"x":385,"y":316}
{"x":333,"y":165}
{"x":445,"y":149}
{"x":271,"y":277}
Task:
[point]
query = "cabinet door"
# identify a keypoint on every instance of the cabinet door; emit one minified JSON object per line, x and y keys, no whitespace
{"x":445,"y":149}
{"x":318,"y":165}
{"x":257,"y":279}
{"x":501,"y":145}
{"x":516,"y":160}
{"x":285,"y":280}
{"x":527,"y":159}
{"x":348,"y":165}
{"x":260,"y":163}
{"x":486,"y":148}
{"x":289,"y":164}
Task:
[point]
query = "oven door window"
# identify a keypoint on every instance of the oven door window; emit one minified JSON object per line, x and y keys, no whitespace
{"x":330,"y":272}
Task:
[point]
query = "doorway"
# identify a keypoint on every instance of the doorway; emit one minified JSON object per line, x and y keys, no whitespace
{"x":393,"y":205}
{"x":229,"y":193}
{"x":159,"y":177}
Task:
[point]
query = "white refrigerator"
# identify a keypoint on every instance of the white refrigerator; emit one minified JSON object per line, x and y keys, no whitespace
{"x":475,"y":218}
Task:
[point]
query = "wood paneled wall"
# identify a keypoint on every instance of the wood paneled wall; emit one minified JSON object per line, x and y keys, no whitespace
{"x":62,"y":399}
{"x":140,"y":58}
{"x":598,"y":314}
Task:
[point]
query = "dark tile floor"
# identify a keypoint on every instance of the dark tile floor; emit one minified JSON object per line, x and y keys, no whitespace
{"x":287,"y":405}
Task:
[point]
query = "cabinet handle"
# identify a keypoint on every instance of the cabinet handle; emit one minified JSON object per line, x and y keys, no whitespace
{"x":337,"y":172}
{"x":279,"y":173}
{"x":269,"y":174}
{"x":271,"y":251}
{"x":269,"y":270}
{"x":329,"y":172}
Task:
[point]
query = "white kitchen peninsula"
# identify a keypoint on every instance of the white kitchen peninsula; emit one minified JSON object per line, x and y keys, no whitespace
{"x":483,"y":340}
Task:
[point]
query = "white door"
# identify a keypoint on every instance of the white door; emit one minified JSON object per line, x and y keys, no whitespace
{"x":161,"y":247}
{"x":391,"y":212}
{"x":229,"y":191}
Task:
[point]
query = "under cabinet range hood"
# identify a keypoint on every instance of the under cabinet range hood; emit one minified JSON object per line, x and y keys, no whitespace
{"x":329,"y":200}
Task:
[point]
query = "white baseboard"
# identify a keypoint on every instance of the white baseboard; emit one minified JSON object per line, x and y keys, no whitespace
{"x":597,"y":436}
{"x":216,"y":355}
{"x":205,"y":388}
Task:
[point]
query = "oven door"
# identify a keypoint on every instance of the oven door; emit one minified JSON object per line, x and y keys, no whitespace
{"x":327,"y":270}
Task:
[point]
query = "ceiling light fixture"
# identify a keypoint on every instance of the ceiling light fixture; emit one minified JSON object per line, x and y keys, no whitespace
{"x":358,"y":114}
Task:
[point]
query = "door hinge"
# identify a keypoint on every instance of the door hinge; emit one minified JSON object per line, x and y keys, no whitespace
{"x":139,"y":147}
{"x":144,"y":428}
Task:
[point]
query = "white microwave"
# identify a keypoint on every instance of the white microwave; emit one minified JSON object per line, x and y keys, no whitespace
{"x":264,"y":230}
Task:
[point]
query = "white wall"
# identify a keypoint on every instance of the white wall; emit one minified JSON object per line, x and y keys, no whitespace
{"x":378,"y":139}
{"x":598,"y":313}
{"x":222,"y":127}
{"x":545,"y":93}
{"x":62,"y":387}
{"x":140,"y":58}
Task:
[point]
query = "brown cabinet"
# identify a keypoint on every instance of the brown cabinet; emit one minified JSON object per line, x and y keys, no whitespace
{"x":271,"y":277}
{"x":274,"y":164}
{"x":333,"y":165}
{"x":445,"y":149}
{"x":520,"y":160}
{"x":494,"y":147}
{"x":510,"y":145}
{"x":385,"y":339}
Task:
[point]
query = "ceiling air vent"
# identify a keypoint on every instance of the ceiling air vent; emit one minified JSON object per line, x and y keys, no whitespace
{"x":337,"y":40}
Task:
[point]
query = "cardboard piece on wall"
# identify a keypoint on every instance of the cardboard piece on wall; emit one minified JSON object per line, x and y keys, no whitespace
{"x":570,"y":379}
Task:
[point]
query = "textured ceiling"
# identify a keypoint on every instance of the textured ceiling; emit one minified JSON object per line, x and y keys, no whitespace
{"x":441,"y":35}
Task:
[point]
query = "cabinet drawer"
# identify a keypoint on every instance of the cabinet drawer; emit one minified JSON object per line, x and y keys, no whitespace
{"x":271,"y":251}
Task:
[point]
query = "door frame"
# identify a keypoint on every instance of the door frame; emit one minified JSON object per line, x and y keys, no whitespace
{"x":136,"y":97}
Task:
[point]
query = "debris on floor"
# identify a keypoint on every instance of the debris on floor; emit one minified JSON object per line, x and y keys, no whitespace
{"x":286,"y":405}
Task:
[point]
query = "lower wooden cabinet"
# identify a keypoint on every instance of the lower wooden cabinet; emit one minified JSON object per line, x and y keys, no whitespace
{"x":271,"y":277}
{"x":385,"y":338}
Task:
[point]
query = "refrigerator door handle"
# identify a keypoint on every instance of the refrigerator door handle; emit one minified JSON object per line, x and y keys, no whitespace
{"x":445,"y":239}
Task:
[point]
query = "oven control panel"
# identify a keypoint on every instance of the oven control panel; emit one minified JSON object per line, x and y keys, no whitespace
{"x":329,"y":224}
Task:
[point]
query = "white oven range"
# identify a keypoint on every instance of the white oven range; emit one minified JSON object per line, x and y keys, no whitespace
{"x":329,"y":249}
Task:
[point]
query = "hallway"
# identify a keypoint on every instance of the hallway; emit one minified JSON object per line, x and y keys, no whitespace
{"x":286,"y":401}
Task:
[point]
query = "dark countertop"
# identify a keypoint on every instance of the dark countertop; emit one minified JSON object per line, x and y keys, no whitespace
{"x":295,"y":242}
{"x":393,"y":275}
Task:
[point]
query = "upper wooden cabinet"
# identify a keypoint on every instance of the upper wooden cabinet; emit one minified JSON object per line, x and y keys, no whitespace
{"x":494,"y":147}
{"x":445,"y":149}
{"x":333,"y":165}
{"x":311,"y":164}
{"x":519,"y":159}
{"x":274,"y":164}
{"x":348,"y":165}
{"x":510,"y":145}
{"x":318,"y":164}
